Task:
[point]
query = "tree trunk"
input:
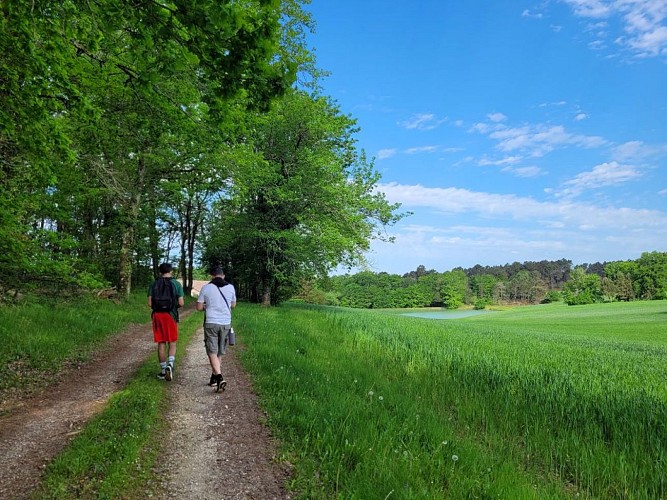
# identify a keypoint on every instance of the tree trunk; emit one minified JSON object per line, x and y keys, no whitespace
{"x":184,"y":223}
{"x":125,"y":263}
{"x":127,"y":240}
{"x":266,"y":293}
{"x":153,"y":235}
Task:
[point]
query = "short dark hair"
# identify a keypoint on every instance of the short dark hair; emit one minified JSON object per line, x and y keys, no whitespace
{"x":165,"y":268}
{"x":217,"y":271}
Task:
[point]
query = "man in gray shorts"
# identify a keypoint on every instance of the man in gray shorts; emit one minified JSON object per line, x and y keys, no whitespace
{"x":216,"y":299}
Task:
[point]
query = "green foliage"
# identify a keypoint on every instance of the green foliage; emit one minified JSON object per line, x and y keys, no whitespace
{"x":102,"y":103}
{"x":302,"y":200}
{"x":652,"y":275}
{"x":481,"y":304}
{"x":551,"y":296}
{"x":537,"y":402}
{"x":582,"y":288}
{"x":516,"y":283}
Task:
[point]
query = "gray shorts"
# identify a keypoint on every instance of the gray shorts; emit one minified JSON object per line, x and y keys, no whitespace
{"x":215,"y":338}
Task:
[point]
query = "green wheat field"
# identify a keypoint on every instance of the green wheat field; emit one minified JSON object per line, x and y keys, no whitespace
{"x":544,"y":401}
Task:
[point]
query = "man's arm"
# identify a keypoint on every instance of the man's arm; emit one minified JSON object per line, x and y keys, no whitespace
{"x":200,"y":306}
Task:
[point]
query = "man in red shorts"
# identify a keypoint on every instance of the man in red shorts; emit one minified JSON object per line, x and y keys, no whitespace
{"x":164,"y":298}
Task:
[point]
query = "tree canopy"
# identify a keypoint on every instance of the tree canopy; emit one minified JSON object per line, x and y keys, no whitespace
{"x":92,"y":95}
{"x":129,"y":131}
{"x":302,"y":200}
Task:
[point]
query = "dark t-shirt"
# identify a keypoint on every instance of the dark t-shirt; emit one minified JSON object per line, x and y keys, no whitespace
{"x":179,"y":293}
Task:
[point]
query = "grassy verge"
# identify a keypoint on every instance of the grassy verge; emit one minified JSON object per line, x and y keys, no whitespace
{"x":48,"y":335}
{"x":114,"y":454}
{"x":554,"y":403}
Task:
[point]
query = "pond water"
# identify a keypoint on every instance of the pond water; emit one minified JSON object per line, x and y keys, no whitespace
{"x":445,"y":314}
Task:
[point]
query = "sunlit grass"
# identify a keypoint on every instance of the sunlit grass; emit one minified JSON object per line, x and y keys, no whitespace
{"x":370,"y":404}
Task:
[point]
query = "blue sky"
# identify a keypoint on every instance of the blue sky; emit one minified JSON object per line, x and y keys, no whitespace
{"x":513,"y":130}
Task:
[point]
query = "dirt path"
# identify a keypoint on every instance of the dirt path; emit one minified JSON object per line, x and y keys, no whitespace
{"x":219,"y":447}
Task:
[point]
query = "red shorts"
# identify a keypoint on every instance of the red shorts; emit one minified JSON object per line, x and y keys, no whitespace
{"x":165,"y":328}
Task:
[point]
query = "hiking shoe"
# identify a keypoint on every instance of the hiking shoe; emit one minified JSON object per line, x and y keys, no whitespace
{"x":161,"y":375}
{"x":169,"y":373}
{"x":220,"y":383}
{"x":212,"y":381}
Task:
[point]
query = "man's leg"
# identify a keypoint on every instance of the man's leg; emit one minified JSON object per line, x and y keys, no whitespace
{"x":210,"y":343}
{"x":172,"y":354}
{"x":219,"y":379}
{"x":169,"y":362}
{"x":161,"y":350}
{"x":214,"y":360}
{"x":162,"y":358}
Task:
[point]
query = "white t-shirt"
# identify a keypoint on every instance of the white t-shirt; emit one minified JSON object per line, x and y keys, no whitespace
{"x":217,"y":311}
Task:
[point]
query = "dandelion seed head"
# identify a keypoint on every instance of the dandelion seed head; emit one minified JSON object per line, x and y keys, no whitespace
{"x":455,"y":458}
{"x":380,"y":398}
{"x":370,"y":393}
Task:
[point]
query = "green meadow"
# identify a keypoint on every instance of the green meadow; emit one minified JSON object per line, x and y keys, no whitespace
{"x":545,"y":401}
{"x":533,"y":402}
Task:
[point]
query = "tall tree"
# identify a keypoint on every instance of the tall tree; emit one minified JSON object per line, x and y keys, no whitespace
{"x":302,"y":203}
{"x":51,"y":50}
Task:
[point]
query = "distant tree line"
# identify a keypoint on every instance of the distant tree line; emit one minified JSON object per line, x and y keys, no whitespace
{"x":516,"y":283}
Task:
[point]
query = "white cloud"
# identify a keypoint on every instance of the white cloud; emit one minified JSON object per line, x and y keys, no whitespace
{"x":651,"y":43}
{"x":456,"y":227}
{"x":536,"y":15}
{"x":589,"y":8}
{"x":508,"y":160}
{"x":496,"y":117}
{"x":570,"y":214}
{"x":383,"y":154}
{"x":546,"y":104}
{"x":422,"y":121}
{"x":580,"y":116}
{"x":643,"y":22}
{"x":637,"y":151}
{"x":422,"y":149}
{"x":524,"y":171}
{"x":603,"y":175}
{"x":534,"y":139}
{"x":541,"y":139}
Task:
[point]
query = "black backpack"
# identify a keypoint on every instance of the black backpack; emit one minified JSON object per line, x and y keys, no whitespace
{"x":163,"y":298}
